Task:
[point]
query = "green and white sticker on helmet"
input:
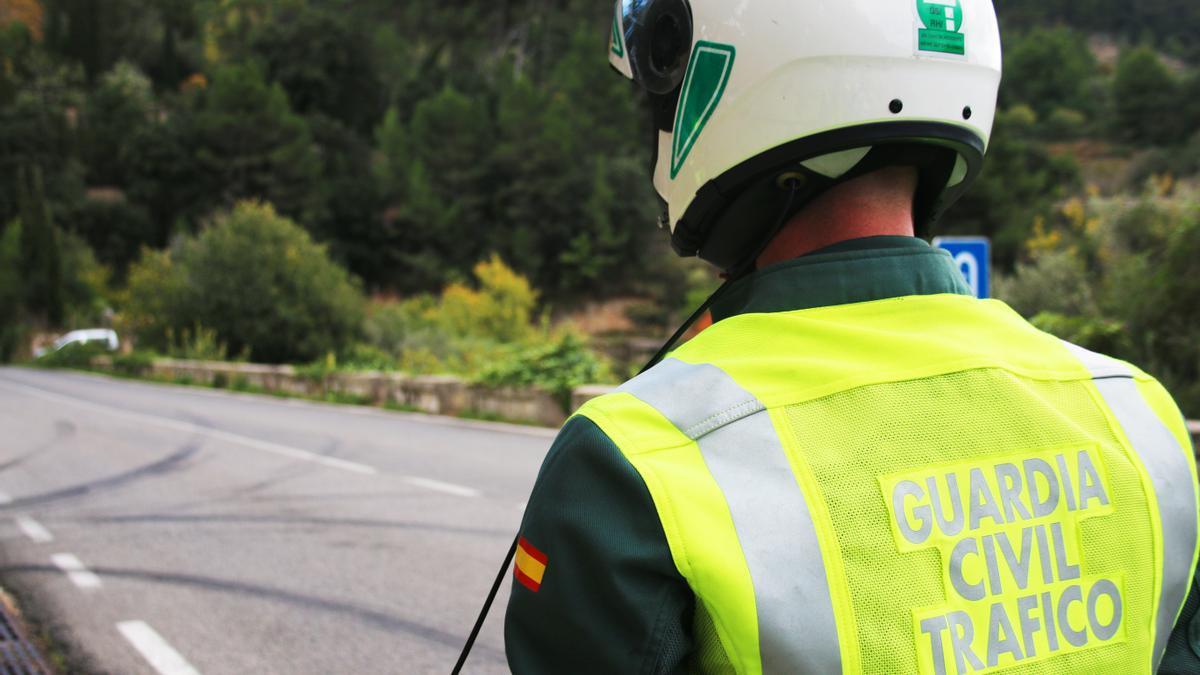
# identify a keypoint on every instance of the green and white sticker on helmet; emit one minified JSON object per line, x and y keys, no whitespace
{"x":704,"y":85}
{"x":617,"y":40}
{"x":940,"y":29}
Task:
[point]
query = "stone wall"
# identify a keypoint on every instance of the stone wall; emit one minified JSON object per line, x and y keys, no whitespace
{"x":434,"y":394}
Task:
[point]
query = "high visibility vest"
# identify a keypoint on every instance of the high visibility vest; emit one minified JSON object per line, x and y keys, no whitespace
{"x":920,"y":484}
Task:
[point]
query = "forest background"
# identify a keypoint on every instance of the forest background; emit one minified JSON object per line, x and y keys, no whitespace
{"x":438,"y":187}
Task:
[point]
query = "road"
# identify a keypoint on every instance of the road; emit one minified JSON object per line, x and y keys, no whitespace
{"x":180,"y":530}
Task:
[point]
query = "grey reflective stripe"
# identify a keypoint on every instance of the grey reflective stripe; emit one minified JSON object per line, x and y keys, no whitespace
{"x":696,"y":398}
{"x":796,"y":627}
{"x":1170,"y":472}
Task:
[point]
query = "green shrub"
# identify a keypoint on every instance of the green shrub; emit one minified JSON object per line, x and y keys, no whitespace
{"x":557,"y":366}
{"x":74,"y":355}
{"x":365,"y":357}
{"x":257,"y":281}
{"x":500,"y":309}
{"x":152,"y":300}
{"x":1065,"y":123}
{"x":1120,"y":278}
{"x":318,"y":371}
{"x":1096,"y":333}
{"x":133,"y":364}
{"x":459,"y":332}
{"x":198,"y":343}
{"x":398,"y":326}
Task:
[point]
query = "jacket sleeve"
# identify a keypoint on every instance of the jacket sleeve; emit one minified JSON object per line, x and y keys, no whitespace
{"x":610,"y":598}
{"x":1183,"y":649}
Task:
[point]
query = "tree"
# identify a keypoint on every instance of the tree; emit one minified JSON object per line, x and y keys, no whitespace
{"x":435,"y":174}
{"x":113,"y":228}
{"x":37,"y":127}
{"x":322,"y":63}
{"x":1167,"y":20}
{"x":12,"y":291}
{"x":248,"y":144}
{"x":41,"y":267}
{"x":348,"y":218}
{"x":1020,"y":181}
{"x":97,"y":33}
{"x":165,"y":178}
{"x":1049,"y":68}
{"x":121,"y":104}
{"x":1147,"y":98}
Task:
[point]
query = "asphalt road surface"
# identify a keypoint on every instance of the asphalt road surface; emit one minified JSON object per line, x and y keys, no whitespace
{"x":175,"y":530}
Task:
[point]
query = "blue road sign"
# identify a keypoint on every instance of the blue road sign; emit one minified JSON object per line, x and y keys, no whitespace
{"x":973,"y":255}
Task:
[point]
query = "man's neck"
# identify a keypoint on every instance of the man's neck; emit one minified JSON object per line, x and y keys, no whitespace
{"x":877,"y":204}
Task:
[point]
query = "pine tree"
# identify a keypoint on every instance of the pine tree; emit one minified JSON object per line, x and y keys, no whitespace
{"x":1147,"y":98}
{"x":41,"y":267}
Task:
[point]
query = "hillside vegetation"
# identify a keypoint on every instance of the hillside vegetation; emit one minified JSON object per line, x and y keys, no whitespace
{"x":394,"y":147}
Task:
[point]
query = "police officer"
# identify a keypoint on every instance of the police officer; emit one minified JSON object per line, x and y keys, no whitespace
{"x":858,"y":467}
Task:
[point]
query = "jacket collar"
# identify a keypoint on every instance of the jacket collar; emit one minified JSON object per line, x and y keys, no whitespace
{"x":859,"y":270}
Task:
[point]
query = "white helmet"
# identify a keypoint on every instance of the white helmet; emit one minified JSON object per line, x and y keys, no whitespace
{"x":756,"y":99}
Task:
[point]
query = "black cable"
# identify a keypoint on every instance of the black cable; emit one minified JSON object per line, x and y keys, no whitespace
{"x":487,"y":606}
{"x":670,"y":343}
{"x":735,"y":275}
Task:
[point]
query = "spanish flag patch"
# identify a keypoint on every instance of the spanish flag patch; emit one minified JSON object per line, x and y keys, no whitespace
{"x":531,"y":565}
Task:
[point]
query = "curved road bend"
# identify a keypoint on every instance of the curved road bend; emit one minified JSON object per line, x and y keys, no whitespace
{"x":178,"y":531}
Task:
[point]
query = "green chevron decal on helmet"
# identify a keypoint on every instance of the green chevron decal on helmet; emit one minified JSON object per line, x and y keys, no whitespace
{"x":942,"y":27}
{"x":618,"y":45}
{"x":707,"y":74}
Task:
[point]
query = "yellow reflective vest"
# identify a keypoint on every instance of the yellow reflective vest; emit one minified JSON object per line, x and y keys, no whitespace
{"x":918,"y":484}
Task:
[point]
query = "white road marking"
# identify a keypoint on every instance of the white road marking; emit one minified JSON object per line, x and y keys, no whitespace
{"x":76,"y":572}
{"x":5,"y":498}
{"x":188,"y":427}
{"x":161,"y":655}
{"x":34,"y":530}
{"x":439,"y":486}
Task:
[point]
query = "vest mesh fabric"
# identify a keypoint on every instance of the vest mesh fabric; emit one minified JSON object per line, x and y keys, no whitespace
{"x":852,"y":439}
{"x":710,"y":657}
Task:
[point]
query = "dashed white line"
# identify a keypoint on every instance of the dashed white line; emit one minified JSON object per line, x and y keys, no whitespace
{"x":34,"y":530}
{"x":188,"y":427}
{"x":439,"y":486}
{"x":157,"y":651}
{"x":78,"y":574}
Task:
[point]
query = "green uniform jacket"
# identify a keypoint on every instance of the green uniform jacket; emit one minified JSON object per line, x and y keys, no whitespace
{"x":611,"y":599}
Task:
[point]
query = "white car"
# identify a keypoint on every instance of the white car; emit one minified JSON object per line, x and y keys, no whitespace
{"x":106,"y":336}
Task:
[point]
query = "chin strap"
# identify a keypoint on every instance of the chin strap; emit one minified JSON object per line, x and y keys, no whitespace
{"x":734,"y":275}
